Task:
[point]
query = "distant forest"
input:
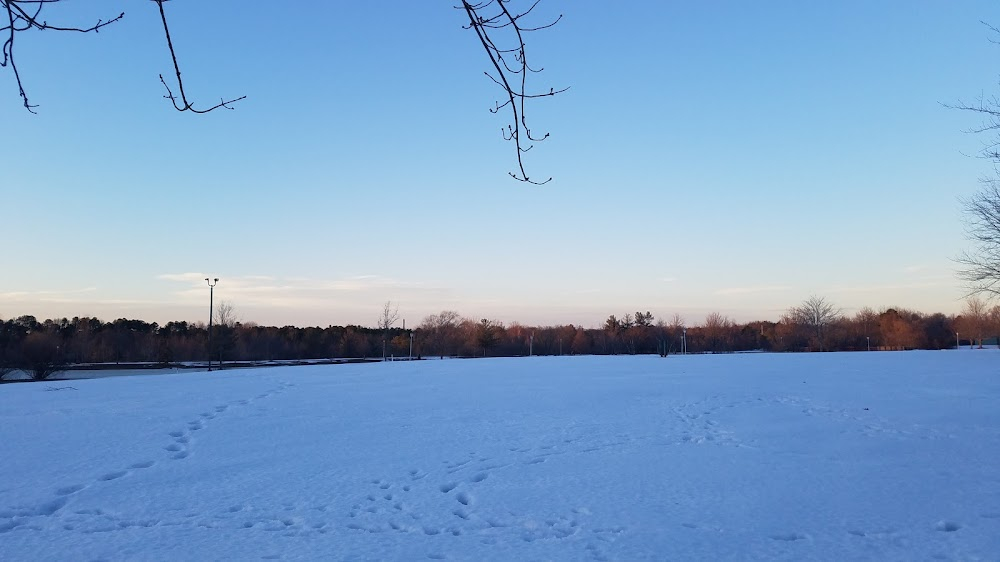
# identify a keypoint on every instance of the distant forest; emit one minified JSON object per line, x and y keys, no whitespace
{"x":42,"y":348}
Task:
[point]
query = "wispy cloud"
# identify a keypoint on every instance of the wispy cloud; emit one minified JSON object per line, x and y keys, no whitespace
{"x":58,"y":295}
{"x":752,"y":290}
{"x":266,"y":291}
{"x":890,"y":287}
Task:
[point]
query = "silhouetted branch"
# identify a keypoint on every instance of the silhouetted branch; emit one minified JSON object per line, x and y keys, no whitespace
{"x":500,"y":31}
{"x":493,"y":22}
{"x":24,"y":15}
{"x":184,"y":104}
{"x":981,"y":265}
{"x":989,"y":110}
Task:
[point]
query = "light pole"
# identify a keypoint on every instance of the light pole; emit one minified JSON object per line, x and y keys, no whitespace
{"x":869,"y":338}
{"x":684,"y":341}
{"x":411,"y":345}
{"x":531,"y":344}
{"x":958,"y":342}
{"x":211,"y":293}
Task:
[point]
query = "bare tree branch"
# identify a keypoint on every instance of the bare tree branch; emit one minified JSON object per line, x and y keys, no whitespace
{"x":501,"y":32}
{"x":183,"y":104}
{"x":989,"y":109}
{"x":24,"y":15}
{"x":981,"y":264}
{"x":493,"y":22}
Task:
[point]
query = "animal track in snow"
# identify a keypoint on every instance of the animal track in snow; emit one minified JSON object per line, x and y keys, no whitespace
{"x":881,"y":534}
{"x":452,"y":468}
{"x":427,"y":513}
{"x":67,"y":490}
{"x":947,"y":526}
{"x":789,"y":537}
{"x":864,"y":421}
{"x":113,"y":475}
{"x":178,"y":449}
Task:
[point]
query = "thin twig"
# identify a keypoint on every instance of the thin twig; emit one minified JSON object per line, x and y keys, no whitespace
{"x":19,"y":20}
{"x":487,"y":18}
{"x":184,"y":104}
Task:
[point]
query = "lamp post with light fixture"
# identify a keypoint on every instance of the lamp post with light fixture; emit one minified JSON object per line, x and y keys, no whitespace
{"x":211,"y":291}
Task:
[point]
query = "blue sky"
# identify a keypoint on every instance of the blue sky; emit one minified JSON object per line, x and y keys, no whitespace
{"x":714,"y":156}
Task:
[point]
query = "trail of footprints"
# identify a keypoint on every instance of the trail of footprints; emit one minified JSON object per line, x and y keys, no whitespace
{"x":867,"y":423}
{"x":90,"y":521}
{"x":697,"y":427}
{"x":443,"y":505}
{"x":388,"y":507}
{"x":450,"y":507}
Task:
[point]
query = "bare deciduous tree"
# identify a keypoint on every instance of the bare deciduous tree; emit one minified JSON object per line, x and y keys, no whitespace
{"x":225,"y":338}
{"x":499,"y":29}
{"x":989,"y":109}
{"x":388,"y":317}
{"x":981,"y":265}
{"x":974,"y":320}
{"x":816,"y":313}
{"x":225,"y":314}
{"x":715,"y":331}
{"x":390,"y":313}
{"x":441,"y":332}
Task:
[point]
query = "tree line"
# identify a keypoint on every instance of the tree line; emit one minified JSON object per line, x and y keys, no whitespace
{"x":43,"y":348}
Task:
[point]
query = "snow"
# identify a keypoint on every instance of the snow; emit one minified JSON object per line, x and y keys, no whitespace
{"x":863,"y":456}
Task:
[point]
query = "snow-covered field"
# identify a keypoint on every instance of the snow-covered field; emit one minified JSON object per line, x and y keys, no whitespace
{"x":863,"y":456}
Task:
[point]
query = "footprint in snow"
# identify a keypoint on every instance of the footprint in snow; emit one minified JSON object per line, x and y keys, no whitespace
{"x":947,"y":526}
{"x":113,"y":475}
{"x":789,"y":537}
{"x":67,"y":490}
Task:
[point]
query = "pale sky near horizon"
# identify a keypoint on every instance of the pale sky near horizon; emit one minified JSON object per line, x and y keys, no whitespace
{"x":730,"y":156}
